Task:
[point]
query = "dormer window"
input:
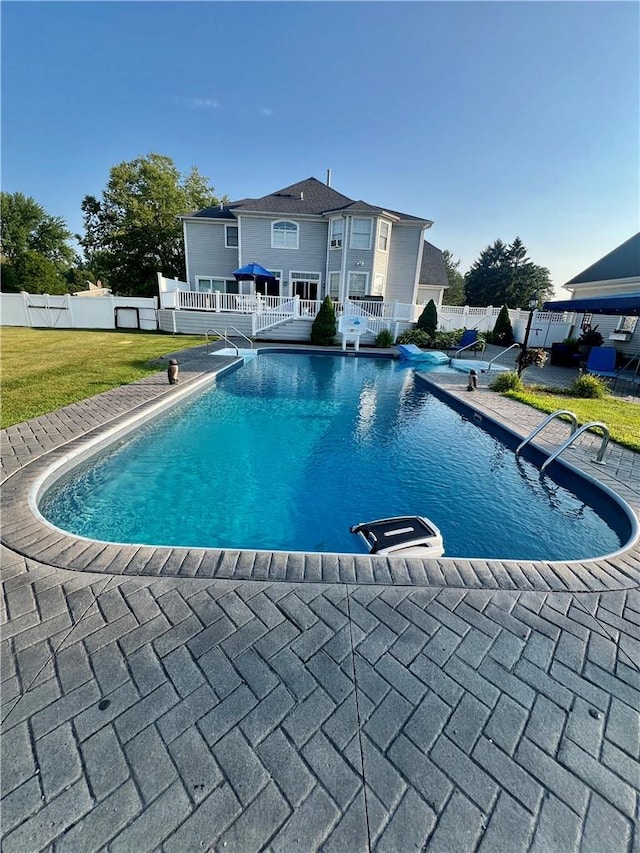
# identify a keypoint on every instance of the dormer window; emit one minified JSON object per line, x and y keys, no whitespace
{"x":284,"y":235}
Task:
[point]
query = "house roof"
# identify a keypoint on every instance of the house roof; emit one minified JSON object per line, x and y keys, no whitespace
{"x":432,"y":268}
{"x":622,"y":262}
{"x":310,"y":197}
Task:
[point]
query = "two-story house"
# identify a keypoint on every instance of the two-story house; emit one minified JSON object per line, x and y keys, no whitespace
{"x":315,"y":240}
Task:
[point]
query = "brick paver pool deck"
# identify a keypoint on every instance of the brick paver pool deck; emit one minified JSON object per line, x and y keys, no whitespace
{"x":177,"y":700}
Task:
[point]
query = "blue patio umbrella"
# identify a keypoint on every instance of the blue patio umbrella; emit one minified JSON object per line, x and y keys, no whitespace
{"x":255,"y":272}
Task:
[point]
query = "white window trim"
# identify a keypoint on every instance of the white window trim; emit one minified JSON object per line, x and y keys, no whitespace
{"x":382,"y":222}
{"x":362,"y":219}
{"x":226,"y":237}
{"x":374,"y":290}
{"x":357,"y":272}
{"x":626,"y":324}
{"x":337,"y":294}
{"x":332,"y":239}
{"x":297,"y":232}
{"x":212,"y":278}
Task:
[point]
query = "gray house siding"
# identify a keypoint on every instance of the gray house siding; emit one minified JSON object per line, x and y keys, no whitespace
{"x":206,"y":251}
{"x":310,"y":256}
{"x":404,"y":257}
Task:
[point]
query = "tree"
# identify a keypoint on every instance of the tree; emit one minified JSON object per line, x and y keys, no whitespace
{"x":35,"y":273}
{"x":133,"y":232}
{"x":504,"y":275}
{"x":455,"y":293}
{"x":323,"y":328}
{"x":428,"y":320}
{"x":503,"y":330}
{"x":25,"y":226}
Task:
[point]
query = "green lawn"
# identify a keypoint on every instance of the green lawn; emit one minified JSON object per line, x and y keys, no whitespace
{"x":622,"y":418}
{"x":44,"y":369}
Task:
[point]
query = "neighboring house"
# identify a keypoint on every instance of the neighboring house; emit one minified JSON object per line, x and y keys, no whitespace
{"x":610,"y":284}
{"x":316,"y":241}
{"x":433,"y":277}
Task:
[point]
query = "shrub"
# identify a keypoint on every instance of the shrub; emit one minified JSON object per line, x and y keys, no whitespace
{"x":509,"y":381}
{"x":571,"y":342}
{"x":415,"y":336}
{"x":428,"y":320}
{"x":384,"y":338}
{"x":503,"y":330}
{"x":323,"y":330}
{"x":590,"y":387}
{"x":591,"y":337}
{"x":445,"y":340}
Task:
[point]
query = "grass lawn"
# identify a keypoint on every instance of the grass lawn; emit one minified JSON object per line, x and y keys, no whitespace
{"x":44,"y":369}
{"x":622,"y":418}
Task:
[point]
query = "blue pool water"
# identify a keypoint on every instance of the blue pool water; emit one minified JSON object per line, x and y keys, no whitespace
{"x":288,"y":451}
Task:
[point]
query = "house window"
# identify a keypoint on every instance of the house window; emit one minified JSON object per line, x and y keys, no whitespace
{"x":337,"y":232}
{"x":358,"y":283}
{"x":627,"y":324}
{"x":334,"y":285}
{"x":383,"y":236}
{"x":378,"y":285}
{"x":231,"y":236}
{"x":360,"y":233}
{"x":271,"y":288}
{"x":284,"y":235}
{"x":306,"y":285}
{"x":209,"y":284}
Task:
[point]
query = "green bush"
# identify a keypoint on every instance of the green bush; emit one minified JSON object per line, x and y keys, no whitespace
{"x":384,"y":338}
{"x":415,"y":336}
{"x":503,"y":330}
{"x":590,"y":387}
{"x":323,"y":330}
{"x":446,"y":340}
{"x":508,"y":381}
{"x":428,"y":320}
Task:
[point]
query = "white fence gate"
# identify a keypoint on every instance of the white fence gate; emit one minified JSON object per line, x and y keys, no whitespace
{"x":41,"y":310}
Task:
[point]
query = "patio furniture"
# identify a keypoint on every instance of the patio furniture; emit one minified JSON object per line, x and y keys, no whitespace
{"x":601,"y":361}
{"x":469,"y":336}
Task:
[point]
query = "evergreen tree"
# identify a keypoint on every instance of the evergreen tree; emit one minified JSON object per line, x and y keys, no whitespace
{"x":428,"y":320}
{"x":504,"y":275}
{"x":323,"y":329}
{"x":503,"y":330}
{"x":455,"y":293}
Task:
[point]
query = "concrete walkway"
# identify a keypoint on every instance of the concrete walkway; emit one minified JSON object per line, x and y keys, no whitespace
{"x":180,"y":713}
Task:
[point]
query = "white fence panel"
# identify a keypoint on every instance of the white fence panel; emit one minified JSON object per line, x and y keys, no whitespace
{"x":41,"y":310}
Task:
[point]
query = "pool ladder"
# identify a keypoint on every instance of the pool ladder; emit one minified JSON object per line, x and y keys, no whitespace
{"x":226,"y":339}
{"x":575,"y":432}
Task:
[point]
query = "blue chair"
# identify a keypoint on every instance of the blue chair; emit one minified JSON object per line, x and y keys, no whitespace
{"x":469,"y":336}
{"x":602,"y":362}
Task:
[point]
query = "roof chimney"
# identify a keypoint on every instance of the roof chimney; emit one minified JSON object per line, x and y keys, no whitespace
{"x":328,"y":177}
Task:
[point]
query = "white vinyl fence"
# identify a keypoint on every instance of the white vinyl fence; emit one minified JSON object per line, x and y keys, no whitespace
{"x":41,"y":310}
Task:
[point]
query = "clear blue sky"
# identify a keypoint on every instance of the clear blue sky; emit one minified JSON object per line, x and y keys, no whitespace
{"x":492,"y":119}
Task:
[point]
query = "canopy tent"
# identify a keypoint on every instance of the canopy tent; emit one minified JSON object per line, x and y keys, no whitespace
{"x":625,"y":304}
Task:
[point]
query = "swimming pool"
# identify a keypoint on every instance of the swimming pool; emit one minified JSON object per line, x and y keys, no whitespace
{"x":287,"y":452}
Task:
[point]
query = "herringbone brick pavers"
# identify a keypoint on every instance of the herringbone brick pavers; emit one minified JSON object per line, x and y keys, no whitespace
{"x":307,"y":716}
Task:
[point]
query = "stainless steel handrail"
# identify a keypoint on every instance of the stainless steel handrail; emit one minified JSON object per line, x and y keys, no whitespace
{"x":481,"y":341}
{"x":547,"y":420}
{"x":496,"y":357}
{"x":572,"y":438}
{"x":226,"y":339}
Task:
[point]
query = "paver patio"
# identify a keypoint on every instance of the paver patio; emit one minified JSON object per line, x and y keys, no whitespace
{"x":455,"y":711}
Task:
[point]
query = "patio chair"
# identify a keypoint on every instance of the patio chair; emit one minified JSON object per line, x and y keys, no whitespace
{"x":602,"y":362}
{"x":469,"y":336}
